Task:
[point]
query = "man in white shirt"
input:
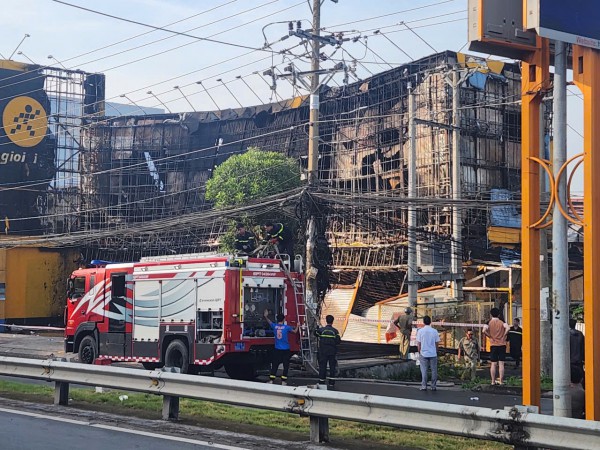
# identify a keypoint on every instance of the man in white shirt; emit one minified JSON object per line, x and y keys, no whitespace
{"x":427,"y":342}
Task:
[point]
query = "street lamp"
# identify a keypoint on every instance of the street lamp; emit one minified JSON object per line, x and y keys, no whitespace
{"x":17,"y":48}
{"x":61,"y":64}
{"x":417,"y":35}
{"x":231,"y":93}
{"x":208,"y":93}
{"x":184,"y":96}
{"x":159,"y":100}
{"x":239,"y":77}
{"x":379,"y":33}
{"x":26,"y":57}
{"x":133,"y":103}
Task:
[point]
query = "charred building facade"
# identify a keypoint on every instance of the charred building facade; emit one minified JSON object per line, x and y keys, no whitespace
{"x":141,"y":169}
{"x":140,"y":179}
{"x":44,"y":110}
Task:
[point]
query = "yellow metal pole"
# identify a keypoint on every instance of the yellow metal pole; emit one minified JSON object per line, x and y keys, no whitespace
{"x":510,"y":294}
{"x":586,"y":67}
{"x":534,"y":79}
{"x":510,"y":306}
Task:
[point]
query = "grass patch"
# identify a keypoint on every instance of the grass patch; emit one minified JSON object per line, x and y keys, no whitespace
{"x":231,"y":417}
{"x":545,"y":382}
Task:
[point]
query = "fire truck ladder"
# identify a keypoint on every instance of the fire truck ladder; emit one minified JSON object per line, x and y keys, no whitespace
{"x":307,"y":341}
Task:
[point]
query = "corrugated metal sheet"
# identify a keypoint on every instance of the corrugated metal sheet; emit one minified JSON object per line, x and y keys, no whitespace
{"x":361,"y":330}
{"x":337,"y":302}
{"x":504,"y":235}
{"x":36,"y":281}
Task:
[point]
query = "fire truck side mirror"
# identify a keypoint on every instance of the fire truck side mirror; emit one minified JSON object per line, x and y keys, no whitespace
{"x":70,"y":288}
{"x":298,"y":264}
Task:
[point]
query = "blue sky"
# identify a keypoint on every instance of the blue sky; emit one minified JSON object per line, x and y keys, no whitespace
{"x":158,"y":61}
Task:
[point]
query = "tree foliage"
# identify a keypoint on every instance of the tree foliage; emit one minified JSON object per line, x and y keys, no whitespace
{"x":250,"y":176}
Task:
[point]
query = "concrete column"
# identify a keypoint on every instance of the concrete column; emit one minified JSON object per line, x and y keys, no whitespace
{"x":170,"y":409}
{"x":61,"y":393}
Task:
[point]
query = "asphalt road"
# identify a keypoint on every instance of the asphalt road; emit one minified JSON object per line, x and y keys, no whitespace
{"x":27,"y":430}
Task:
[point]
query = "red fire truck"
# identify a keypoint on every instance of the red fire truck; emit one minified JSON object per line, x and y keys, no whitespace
{"x":185,"y":311}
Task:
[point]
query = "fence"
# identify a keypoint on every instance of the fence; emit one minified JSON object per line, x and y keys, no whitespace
{"x":516,"y":426}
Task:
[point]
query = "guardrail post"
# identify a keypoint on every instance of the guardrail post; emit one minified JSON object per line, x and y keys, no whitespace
{"x":61,"y":393}
{"x":170,"y":409}
{"x":319,"y":426}
{"x":319,"y":429}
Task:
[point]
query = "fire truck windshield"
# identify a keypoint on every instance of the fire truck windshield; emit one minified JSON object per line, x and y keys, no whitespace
{"x":76,"y":287}
{"x":256,"y":301}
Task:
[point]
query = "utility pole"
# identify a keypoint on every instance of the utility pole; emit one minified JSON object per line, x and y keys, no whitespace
{"x":313,"y":133}
{"x":545,"y":325}
{"x":313,"y":158}
{"x":457,"y":277}
{"x":560,"y":259}
{"x":412,"y":193}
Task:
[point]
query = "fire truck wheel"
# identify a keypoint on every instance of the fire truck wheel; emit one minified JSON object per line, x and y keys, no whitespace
{"x":245,"y":372}
{"x":88,"y":350}
{"x":177,"y":356}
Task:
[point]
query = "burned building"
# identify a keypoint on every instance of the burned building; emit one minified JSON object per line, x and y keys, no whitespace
{"x":44,"y":110}
{"x":140,"y":169}
{"x":140,"y":180}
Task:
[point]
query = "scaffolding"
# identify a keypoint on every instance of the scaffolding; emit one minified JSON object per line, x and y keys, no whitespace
{"x":119,"y":179}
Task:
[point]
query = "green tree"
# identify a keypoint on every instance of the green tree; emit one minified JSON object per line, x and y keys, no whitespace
{"x":250,"y":176}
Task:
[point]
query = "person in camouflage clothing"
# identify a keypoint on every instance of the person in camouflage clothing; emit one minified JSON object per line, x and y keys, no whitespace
{"x":468,"y":347}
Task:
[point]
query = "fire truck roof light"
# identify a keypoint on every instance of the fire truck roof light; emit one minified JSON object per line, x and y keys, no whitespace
{"x":99,"y":263}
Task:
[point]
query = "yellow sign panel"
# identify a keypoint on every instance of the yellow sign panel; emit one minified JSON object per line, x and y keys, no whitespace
{"x":25,"y":121}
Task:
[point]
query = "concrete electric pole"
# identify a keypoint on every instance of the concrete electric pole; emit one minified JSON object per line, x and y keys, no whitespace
{"x":457,"y":274}
{"x":561,"y":374}
{"x":313,"y":158}
{"x":545,"y":324}
{"x":411,"y":278}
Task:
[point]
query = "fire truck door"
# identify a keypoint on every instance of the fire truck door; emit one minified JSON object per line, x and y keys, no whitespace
{"x":117,"y":314}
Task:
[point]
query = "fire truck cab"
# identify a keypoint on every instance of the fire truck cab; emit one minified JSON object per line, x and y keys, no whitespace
{"x":184,"y":311}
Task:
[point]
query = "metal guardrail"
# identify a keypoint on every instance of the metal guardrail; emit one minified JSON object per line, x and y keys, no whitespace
{"x":514,"y":426}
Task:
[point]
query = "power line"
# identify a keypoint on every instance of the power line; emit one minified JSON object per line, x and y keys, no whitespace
{"x":234,"y":58}
{"x":164,"y":92}
{"x":164,"y":51}
{"x":418,"y":8}
{"x":419,"y":36}
{"x":166,"y":158}
{"x":130,"y":38}
{"x":178,"y":33}
{"x":483,"y":104}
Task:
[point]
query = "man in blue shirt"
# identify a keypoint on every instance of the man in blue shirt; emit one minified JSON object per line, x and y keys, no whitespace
{"x":428,"y":341}
{"x":281,"y":354}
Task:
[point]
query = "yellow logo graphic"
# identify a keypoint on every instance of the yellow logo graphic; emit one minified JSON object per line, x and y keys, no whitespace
{"x":25,"y":121}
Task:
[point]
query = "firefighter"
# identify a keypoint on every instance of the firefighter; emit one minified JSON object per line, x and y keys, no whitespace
{"x":329,"y":339}
{"x":281,"y":237}
{"x":245,"y":242}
